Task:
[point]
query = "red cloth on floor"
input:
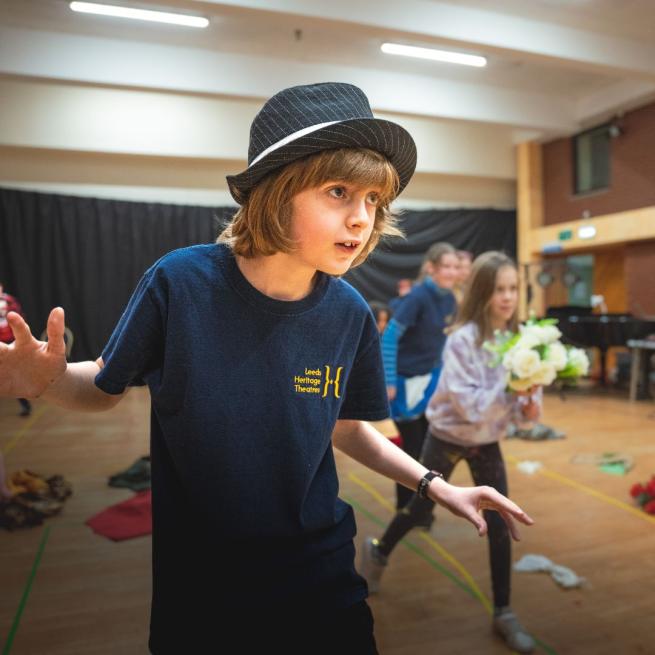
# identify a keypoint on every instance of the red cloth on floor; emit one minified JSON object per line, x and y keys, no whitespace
{"x":131,"y":518}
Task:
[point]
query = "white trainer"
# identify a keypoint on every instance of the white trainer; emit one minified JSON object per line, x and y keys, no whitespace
{"x":515,"y":635}
{"x":372,"y":564}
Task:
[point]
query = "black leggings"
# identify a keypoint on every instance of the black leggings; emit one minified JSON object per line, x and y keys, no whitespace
{"x":413,"y":434}
{"x":487,"y":468}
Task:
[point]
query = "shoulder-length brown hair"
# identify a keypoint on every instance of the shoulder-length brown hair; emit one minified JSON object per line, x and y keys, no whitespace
{"x":478,"y":293}
{"x":262,"y":225}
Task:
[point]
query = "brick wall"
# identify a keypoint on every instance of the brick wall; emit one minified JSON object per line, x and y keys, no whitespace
{"x":632,"y":176}
{"x":632,"y":185}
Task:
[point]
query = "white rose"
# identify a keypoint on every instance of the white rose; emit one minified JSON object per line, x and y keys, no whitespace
{"x":545,"y":375}
{"x":537,"y":335}
{"x":579,"y":361}
{"x":517,"y":384}
{"x":525,"y":362}
{"x":550,"y":333}
{"x":556,"y":355}
{"x":527,"y":340}
{"x":537,"y":331}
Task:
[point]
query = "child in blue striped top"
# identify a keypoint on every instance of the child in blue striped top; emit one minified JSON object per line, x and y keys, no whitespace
{"x":411,"y":349}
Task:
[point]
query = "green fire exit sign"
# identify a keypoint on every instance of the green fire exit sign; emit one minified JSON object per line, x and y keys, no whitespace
{"x":565,"y":235}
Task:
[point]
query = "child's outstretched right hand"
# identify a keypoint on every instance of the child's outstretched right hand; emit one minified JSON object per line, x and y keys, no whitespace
{"x":29,"y":366}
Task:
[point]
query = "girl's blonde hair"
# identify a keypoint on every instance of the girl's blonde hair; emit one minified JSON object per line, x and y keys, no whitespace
{"x":262,"y":225}
{"x":478,"y":293}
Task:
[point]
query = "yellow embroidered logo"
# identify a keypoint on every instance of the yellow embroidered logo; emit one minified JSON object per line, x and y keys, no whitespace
{"x":312,"y":381}
{"x":329,"y":381}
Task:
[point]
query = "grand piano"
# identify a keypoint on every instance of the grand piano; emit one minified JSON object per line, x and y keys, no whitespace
{"x":583,"y":329}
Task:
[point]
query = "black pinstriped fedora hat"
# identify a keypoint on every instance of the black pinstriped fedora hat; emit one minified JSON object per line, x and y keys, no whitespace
{"x":303,"y":120}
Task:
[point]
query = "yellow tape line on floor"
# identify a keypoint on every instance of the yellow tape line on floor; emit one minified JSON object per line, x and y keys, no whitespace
{"x":589,"y":490}
{"x":24,"y":429}
{"x":435,"y":545}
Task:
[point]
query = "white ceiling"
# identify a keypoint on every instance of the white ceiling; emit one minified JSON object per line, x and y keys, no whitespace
{"x":632,"y":19}
{"x":554,"y":65}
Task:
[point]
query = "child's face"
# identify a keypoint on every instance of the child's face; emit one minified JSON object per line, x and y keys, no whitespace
{"x":404,"y":287}
{"x":505,"y":296}
{"x":463,"y":269}
{"x":445,"y":272}
{"x":331,"y":224}
{"x":382,"y":320}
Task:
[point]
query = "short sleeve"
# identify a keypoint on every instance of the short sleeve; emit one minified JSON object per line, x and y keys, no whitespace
{"x":135,"y":348}
{"x":365,"y":394}
{"x":409,"y":310}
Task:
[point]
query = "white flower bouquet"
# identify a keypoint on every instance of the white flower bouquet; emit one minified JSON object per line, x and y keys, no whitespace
{"x":535,"y":356}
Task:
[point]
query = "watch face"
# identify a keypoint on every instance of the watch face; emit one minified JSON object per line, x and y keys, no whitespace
{"x":544,"y":279}
{"x":570,"y":278}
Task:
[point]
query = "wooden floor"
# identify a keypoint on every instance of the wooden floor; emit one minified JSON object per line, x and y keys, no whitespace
{"x":89,"y":596}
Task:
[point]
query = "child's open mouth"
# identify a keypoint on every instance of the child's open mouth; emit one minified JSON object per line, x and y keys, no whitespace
{"x":348,"y":246}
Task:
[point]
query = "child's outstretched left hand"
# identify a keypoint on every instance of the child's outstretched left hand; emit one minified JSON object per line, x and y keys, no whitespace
{"x":467,"y":502}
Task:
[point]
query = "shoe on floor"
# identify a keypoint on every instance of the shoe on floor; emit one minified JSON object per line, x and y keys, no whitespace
{"x":372,"y":564}
{"x":515,"y":635}
{"x":136,"y":477}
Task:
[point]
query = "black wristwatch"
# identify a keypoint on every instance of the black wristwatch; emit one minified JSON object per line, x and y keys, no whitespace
{"x":424,"y":483}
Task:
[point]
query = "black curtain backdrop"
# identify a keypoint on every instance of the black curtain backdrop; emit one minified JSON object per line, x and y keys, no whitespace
{"x":87,"y":254}
{"x":475,"y":230}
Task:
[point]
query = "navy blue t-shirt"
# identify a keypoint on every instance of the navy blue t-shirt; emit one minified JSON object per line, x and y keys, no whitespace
{"x":246,"y":391}
{"x":425,"y":311}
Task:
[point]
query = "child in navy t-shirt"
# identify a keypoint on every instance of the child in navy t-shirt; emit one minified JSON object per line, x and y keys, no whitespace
{"x":272,"y":361}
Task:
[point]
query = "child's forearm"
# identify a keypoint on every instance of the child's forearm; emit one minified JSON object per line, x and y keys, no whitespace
{"x":76,"y":389}
{"x":367,"y":446}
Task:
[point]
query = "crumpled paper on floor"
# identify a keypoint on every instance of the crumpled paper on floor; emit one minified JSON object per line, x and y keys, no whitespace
{"x":529,"y":466}
{"x":563,"y":576}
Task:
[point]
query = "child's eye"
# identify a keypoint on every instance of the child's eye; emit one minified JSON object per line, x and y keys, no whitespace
{"x":374,"y":198}
{"x":338,"y":192}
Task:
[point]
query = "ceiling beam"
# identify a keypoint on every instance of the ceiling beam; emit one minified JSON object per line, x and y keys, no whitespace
{"x":93,"y":60}
{"x":607,"y":102}
{"x":481,"y":30}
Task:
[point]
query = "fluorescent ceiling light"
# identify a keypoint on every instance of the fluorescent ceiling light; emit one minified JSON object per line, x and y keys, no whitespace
{"x":437,"y":55}
{"x":587,"y":232}
{"x":139,"y":14}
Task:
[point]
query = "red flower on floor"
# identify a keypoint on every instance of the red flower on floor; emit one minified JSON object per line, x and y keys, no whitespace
{"x":645,"y":495}
{"x":650,"y":487}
